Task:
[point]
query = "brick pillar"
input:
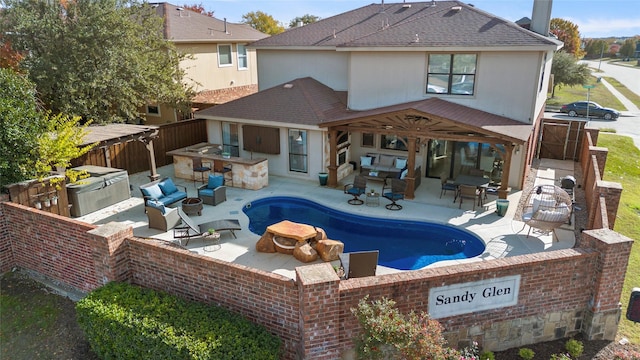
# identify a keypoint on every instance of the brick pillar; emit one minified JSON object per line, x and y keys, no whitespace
{"x":600,"y":154}
{"x":611,"y":191}
{"x":319,"y":312}
{"x":603,"y":314}
{"x":110,"y":256}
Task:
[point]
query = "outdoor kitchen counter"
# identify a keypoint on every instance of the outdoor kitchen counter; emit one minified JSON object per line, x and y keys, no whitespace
{"x":250,"y":174}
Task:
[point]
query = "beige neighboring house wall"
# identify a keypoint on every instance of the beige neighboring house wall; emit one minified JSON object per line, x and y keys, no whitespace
{"x":201,"y":37}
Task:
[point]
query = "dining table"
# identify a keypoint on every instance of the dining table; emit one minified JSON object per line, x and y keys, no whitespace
{"x":479,"y":182}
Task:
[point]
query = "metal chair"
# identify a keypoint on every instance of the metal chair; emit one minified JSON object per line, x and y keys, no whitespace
{"x":199,"y":167}
{"x":469,"y":192}
{"x":394,"y":193}
{"x":447,"y":186}
{"x":357,"y":188}
{"x":225,"y":170}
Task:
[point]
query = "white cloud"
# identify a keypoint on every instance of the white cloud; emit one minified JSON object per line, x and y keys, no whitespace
{"x":608,"y":27}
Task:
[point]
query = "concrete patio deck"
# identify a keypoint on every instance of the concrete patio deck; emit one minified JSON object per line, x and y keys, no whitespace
{"x":503,"y":236}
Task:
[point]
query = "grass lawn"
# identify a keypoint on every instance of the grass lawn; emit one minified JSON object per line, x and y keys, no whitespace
{"x":599,"y":94}
{"x":623,"y":166}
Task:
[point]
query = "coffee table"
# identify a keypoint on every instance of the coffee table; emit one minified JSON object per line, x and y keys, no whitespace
{"x":373,"y":199}
{"x":192,"y":206}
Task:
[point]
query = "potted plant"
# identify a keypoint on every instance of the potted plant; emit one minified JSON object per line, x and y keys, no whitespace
{"x":54,"y":200}
{"x":212,"y":234}
{"x":37,"y":204}
{"x":322,"y":177}
{"x":47,"y":202}
{"x":226,"y":155}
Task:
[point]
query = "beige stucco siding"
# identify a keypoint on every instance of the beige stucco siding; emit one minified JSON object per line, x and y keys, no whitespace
{"x":278,"y":67}
{"x":203,"y":72}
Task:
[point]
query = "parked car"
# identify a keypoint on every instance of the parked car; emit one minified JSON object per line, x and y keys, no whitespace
{"x":580,"y":108}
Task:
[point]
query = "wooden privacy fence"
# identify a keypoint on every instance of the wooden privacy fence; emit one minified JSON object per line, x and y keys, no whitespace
{"x":132,"y":155}
{"x":561,"y":139}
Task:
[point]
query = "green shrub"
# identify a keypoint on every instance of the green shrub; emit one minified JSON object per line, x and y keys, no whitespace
{"x":487,"y":355}
{"x":388,"y":334}
{"x":526,"y":353}
{"x":574,"y":347}
{"x":122,"y":321}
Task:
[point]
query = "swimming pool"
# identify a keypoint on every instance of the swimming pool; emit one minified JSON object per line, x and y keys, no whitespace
{"x":403,"y":244}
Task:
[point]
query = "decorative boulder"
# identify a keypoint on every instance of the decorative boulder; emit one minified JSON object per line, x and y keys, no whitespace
{"x":304,"y":252}
{"x":265,"y":244}
{"x":329,"y":250}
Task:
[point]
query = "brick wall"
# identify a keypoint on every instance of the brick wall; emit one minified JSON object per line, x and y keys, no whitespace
{"x":561,"y":292}
{"x":6,"y":255}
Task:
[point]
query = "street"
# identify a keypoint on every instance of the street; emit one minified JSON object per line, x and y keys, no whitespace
{"x":628,"y":123}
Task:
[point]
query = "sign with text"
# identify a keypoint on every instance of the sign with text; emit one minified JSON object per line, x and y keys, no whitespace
{"x":474,"y":296}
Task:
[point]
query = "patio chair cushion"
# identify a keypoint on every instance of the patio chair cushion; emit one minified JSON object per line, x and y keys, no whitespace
{"x":153,"y":191}
{"x":167,"y":186}
{"x":401,"y":163}
{"x":386,"y":160}
{"x":365,"y":161}
{"x":215,"y":181}
{"x":157,"y":205}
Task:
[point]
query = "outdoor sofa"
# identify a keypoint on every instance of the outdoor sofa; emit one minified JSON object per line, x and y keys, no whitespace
{"x":163,"y":191}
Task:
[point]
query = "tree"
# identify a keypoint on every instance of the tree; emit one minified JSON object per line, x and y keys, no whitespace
{"x":262,"y":22}
{"x":9,"y":58}
{"x":594,"y":48}
{"x":21,"y":124}
{"x":199,"y":9}
{"x":628,"y":48}
{"x":567,"y":71}
{"x":100,"y":59}
{"x":567,"y":32}
{"x":305,"y":19}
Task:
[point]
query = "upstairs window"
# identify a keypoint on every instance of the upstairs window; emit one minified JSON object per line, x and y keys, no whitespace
{"x":452,"y":74}
{"x":242,"y":57}
{"x":224,"y":55}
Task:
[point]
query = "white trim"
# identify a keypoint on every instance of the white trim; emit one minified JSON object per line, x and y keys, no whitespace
{"x":246,"y":56}
{"x":153,"y":113}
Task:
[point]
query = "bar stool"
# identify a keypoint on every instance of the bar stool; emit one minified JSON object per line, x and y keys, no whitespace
{"x":225,"y":170}
{"x":199,"y":167}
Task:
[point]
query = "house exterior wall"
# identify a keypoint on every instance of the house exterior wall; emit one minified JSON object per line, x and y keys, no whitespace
{"x":507,"y":83}
{"x":278,"y":67}
{"x":203,"y":72}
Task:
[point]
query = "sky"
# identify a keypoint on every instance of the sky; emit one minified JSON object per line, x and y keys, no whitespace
{"x":595,"y":18}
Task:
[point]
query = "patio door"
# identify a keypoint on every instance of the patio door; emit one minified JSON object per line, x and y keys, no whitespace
{"x":439,"y":158}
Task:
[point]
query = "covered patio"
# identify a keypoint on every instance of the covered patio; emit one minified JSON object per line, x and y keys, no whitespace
{"x":415,"y":124}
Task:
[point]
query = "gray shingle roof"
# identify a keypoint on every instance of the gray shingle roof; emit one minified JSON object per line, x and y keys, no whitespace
{"x":189,"y":26}
{"x":308,"y":102}
{"x":397,"y":24}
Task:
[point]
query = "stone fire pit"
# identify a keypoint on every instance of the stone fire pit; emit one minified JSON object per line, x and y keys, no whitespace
{"x":305,"y":242}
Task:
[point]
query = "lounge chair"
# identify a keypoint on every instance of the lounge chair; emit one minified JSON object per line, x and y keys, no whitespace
{"x":357,"y":188}
{"x":191,"y":230}
{"x":360,"y":263}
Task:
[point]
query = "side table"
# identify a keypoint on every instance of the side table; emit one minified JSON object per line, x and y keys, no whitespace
{"x":192,"y":206}
{"x":373,"y":199}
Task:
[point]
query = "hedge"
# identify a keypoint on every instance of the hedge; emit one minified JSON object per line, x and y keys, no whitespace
{"x":122,"y":321}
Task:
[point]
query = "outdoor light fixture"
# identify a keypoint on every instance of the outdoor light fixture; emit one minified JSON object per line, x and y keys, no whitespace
{"x":299,"y":138}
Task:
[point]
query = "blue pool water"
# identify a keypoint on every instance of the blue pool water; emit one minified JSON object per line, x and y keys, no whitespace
{"x":403,"y":245}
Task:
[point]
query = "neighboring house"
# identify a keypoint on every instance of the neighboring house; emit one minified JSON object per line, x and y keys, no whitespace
{"x":442,"y":84}
{"x":221,"y":68}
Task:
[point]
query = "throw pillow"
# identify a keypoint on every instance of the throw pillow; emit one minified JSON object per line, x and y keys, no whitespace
{"x":157,"y":205}
{"x":153,"y":192}
{"x":365,"y":161}
{"x":401,"y":163}
{"x":404,"y":173}
{"x":167,"y":186}
{"x":215,"y":181}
